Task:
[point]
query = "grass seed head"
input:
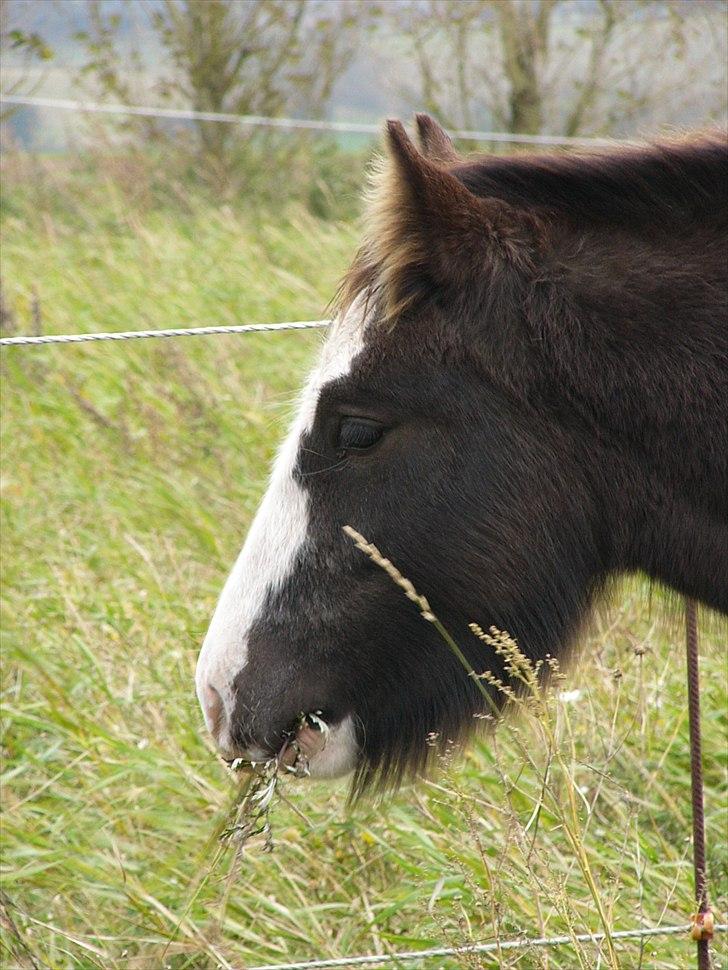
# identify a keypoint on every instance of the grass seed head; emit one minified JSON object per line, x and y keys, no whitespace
{"x":406,"y":585}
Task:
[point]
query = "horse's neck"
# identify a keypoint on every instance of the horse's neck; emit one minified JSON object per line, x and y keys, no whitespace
{"x":667,"y":485}
{"x":657,"y":422}
{"x":645,"y":363}
{"x":683,"y":545}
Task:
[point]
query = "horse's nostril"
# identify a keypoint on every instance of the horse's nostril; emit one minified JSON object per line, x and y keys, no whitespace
{"x":213,"y":709}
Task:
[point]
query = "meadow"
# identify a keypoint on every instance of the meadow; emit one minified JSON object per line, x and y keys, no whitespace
{"x":129,"y":475}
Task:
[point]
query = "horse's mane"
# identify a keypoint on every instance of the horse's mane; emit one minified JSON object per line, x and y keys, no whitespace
{"x":671,"y":187}
{"x":659,"y":184}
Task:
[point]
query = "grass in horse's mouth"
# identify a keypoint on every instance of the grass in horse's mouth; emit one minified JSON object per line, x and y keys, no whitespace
{"x":250,"y":813}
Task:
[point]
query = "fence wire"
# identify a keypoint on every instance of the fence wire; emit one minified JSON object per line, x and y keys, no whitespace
{"x":83,"y":338}
{"x":372,"y":959}
{"x":290,"y":124}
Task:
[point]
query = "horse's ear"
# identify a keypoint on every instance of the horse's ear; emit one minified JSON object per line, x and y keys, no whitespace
{"x":434,"y":141}
{"x":425,"y":224}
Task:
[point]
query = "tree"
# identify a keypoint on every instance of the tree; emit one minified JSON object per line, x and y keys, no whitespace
{"x":24,"y":50}
{"x":259,"y":57}
{"x":563,"y":66}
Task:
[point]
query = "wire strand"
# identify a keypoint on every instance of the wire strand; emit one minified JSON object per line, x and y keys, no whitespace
{"x":305,"y":124}
{"x":371,"y":959}
{"x":696,"y":775}
{"x":82,"y":338}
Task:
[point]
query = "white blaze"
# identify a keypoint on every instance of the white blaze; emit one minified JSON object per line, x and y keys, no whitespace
{"x":269,"y":553}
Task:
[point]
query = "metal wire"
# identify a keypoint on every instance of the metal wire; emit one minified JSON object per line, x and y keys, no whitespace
{"x":494,"y":947}
{"x":186,"y":114}
{"x":82,"y":338}
{"x":696,"y":774}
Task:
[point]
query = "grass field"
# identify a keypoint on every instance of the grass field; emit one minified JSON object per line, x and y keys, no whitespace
{"x":130,"y":473}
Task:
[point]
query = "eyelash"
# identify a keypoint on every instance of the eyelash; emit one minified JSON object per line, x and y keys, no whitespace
{"x":358,"y":434}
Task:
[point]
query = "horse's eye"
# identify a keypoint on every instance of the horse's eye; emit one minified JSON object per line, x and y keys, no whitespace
{"x":358,"y":434}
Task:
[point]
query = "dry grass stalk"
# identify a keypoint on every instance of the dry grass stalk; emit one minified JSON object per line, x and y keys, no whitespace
{"x":391,"y":570}
{"x":521,"y":669}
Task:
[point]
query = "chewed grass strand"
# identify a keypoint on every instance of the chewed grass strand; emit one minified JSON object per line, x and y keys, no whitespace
{"x":317,"y":721}
{"x":250,"y":814}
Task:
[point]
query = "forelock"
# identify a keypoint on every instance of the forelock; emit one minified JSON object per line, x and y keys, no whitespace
{"x":387,"y":250}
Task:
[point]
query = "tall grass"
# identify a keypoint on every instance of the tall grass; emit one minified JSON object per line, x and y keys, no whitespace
{"x":130,"y":473}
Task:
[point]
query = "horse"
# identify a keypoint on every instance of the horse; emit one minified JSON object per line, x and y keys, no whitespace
{"x":523,"y":395}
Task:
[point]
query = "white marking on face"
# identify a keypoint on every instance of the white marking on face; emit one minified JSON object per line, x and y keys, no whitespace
{"x":339,"y":754}
{"x":270,"y":550}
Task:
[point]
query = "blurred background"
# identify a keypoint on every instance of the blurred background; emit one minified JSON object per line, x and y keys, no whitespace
{"x":620,"y":68}
{"x":131,"y":471}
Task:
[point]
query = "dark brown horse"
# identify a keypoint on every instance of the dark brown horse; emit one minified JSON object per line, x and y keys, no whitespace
{"x":524,"y":394}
